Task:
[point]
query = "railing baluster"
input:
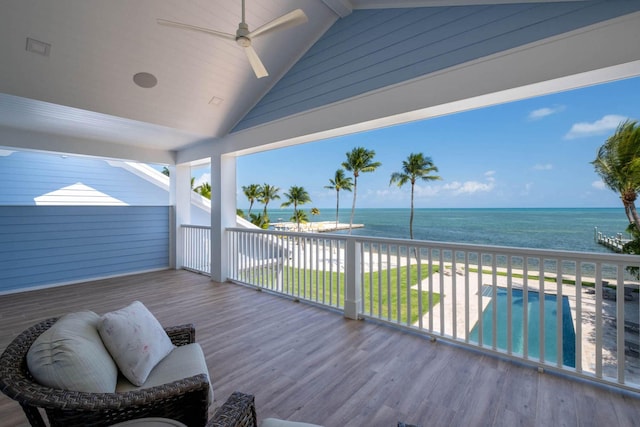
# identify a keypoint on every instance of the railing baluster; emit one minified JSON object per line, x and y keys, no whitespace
{"x":578,"y":322}
{"x":541,"y":298}
{"x":494,"y":296}
{"x":480,"y":306}
{"x":509,"y":306}
{"x":408,"y":284}
{"x":389,"y":311}
{"x":525,"y":307}
{"x":442,"y":305}
{"x":419,"y":268}
{"x":559,"y":313}
{"x":598,"y":364}
{"x":380,"y":295}
{"x":454,"y":296}
{"x":620,"y":314}
{"x":467,"y":299}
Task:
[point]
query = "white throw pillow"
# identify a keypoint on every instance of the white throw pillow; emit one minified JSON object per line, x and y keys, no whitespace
{"x":135,"y":339}
{"x":70,"y":355}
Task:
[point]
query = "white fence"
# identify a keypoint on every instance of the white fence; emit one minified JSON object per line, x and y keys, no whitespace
{"x":568,"y":311}
{"x":196,"y":248}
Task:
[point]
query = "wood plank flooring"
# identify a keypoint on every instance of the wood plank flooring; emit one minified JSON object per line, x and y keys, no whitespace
{"x":309,"y":364}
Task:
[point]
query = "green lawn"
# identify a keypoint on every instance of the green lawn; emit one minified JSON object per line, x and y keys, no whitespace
{"x":389,"y":294}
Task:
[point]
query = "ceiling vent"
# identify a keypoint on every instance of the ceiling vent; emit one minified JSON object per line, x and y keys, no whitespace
{"x":36,"y":46}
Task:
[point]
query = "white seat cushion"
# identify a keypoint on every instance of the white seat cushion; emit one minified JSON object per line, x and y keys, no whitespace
{"x":274,"y":422}
{"x":71,"y":356}
{"x":150,"y":422}
{"x":183,"y":362}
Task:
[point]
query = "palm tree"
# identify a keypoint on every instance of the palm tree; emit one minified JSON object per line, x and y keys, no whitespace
{"x":315,"y":211}
{"x":339,"y":182}
{"x":417,"y":166}
{"x":296,"y":196}
{"x":618,"y":164}
{"x":299,"y":217}
{"x":204,"y":190}
{"x":268,"y":193}
{"x":359,"y":160}
{"x":252,"y":192}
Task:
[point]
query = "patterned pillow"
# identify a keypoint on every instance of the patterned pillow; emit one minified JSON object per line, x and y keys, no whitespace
{"x":71,"y":356}
{"x":135,"y":339}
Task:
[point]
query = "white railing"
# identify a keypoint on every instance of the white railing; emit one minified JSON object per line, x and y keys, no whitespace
{"x":568,"y":311}
{"x":196,"y":244}
{"x":300,"y":265}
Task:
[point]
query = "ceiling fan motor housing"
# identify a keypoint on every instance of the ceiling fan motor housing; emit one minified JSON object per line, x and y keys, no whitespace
{"x":242,"y":35}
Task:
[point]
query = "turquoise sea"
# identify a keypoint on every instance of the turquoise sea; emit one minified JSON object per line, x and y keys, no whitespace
{"x":544,"y":228}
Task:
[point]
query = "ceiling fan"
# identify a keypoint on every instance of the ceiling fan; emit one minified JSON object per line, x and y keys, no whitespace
{"x":243,"y":36}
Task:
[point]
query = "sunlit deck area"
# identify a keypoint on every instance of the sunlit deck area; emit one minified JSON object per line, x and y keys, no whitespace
{"x":311,"y":364}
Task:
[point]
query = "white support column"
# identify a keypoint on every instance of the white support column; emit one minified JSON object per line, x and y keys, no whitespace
{"x":223,"y":212}
{"x":353,"y":284}
{"x":180,"y":200}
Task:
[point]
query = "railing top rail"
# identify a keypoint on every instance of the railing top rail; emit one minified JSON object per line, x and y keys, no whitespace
{"x":468,"y":247}
{"x":292,"y":233}
{"x":202,"y":227}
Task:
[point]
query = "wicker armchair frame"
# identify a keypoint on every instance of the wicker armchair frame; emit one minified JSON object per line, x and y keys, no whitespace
{"x":184,"y":400}
{"x":238,"y":411}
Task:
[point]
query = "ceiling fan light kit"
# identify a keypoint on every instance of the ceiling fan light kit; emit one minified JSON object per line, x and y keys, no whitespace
{"x":243,"y":36}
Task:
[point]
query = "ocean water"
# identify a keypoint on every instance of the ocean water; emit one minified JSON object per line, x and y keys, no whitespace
{"x":544,"y":228}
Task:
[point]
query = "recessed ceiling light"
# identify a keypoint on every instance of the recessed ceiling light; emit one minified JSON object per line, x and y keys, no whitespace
{"x":216,"y":101}
{"x":145,"y":80}
{"x":36,"y":46}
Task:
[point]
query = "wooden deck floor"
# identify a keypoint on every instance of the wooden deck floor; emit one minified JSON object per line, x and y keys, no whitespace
{"x":305,"y":363}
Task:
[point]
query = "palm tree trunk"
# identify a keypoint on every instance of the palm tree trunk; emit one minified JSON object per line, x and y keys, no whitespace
{"x":411,"y":215}
{"x":627,"y":211}
{"x":337,"y":207}
{"x":634,"y":213}
{"x":353,"y":206}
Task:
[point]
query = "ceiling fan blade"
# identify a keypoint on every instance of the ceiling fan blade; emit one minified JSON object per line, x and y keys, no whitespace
{"x":291,"y":19}
{"x":198,"y":29}
{"x":255,"y":62}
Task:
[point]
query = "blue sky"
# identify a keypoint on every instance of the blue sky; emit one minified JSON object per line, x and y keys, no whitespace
{"x":531,"y":153}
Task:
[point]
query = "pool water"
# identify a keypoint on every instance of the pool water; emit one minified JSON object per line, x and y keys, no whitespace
{"x":533,"y":310}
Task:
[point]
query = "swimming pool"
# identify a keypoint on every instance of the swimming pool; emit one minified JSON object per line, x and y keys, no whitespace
{"x":533,"y":310}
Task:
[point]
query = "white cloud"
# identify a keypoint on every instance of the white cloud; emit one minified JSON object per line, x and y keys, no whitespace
{"x":546,"y":111}
{"x":584,"y":129}
{"x":543,"y":167}
{"x":470,"y":187}
{"x":205,"y":177}
{"x":599,"y":185}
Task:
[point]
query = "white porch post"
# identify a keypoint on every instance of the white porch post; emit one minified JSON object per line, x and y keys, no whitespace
{"x":353,"y":285}
{"x":223,"y":212}
{"x":180,"y":200}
